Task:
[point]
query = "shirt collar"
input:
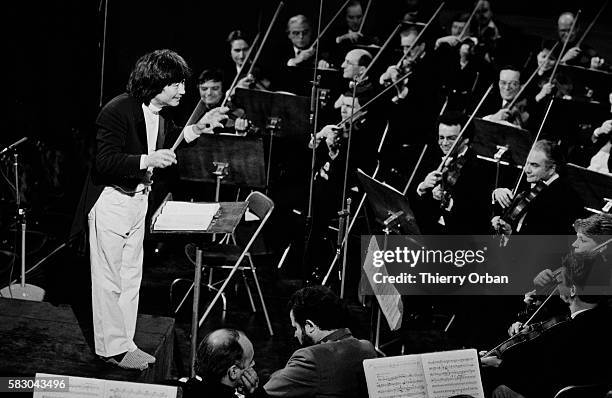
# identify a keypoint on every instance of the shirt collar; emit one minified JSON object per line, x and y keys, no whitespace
{"x":152,"y":108}
{"x":574,"y":314}
{"x":338,"y":334}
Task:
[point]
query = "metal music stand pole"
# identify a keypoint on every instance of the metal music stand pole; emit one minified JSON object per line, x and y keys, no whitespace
{"x":21,"y":291}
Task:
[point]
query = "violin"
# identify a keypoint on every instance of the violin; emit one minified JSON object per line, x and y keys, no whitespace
{"x":450,"y":175}
{"x":520,"y":204}
{"x":528,"y":333}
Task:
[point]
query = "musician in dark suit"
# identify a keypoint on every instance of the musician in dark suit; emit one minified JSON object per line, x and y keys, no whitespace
{"x":563,"y":354}
{"x":554,"y":209}
{"x":130,"y":138}
{"x":460,"y":208}
{"x":330,"y":364}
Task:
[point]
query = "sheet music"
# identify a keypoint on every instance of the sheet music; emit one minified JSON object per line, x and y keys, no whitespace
{"x":388,"y":297}
{"x":432,"y":375}
{"x":451,"y":373}
{"x":185,"y":216}
{"x":395,"y":377}
{"x":97,"y":388}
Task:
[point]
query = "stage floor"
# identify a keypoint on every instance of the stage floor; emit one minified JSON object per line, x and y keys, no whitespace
{"x":40,"y":337}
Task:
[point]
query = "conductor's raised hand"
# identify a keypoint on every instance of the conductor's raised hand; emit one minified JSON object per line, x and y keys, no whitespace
{"x":211,"y":120}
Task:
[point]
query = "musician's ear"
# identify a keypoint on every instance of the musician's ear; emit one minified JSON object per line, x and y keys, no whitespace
{"x":573,"y":291}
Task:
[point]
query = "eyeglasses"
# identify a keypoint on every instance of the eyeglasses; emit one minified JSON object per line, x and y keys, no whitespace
{"x":295,"y":33}
{"x":510,"y":84}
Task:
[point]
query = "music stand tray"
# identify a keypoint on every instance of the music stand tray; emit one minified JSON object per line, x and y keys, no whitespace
{"x":386,"y":201}
{"x":588,"y":84}
{"x":292,"y":110}
{"x":489,"y":137}
{"x":593,"y":188}
{"x":244,"y":156}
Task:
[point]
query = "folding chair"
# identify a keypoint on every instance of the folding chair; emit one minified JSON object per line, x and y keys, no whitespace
{"x":231,"y":256}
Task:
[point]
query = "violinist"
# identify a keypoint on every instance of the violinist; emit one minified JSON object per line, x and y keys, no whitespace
{"x":577,"y":54}
{"x":210,"y":87}
{"x":455,"y":205}
{"x":348,"y":33}
{"x":552,"y":210}
{"x":302,"y":51}
{"x":591,"y":232}
{"x":413,"y":52}
{"x":239,"y":46}
{"x":496,"y":109}
{"x":543,"y":358}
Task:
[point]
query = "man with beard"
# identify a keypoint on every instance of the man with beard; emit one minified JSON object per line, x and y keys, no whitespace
{"x":331,"y":360}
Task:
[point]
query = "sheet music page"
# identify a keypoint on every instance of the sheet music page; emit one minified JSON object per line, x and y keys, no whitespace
{"x":78,"y":387}
{"x":388,"y":297}
{"x":185,"y":216}
{"x":395,"y":377}
{"x":97,"y":388}
{"x":451,"y":373}
{"x":124,"y":389}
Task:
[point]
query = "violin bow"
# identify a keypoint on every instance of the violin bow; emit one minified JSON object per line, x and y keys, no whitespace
{"x":482,"y":100}
{"x":416,"y":167}
{"x":386,"y":89}
{"x":383,"y":48}
{"x":533,"y":75}
{"x":565,"y":42}
{"x":263,"y":42}
{"x":329,"y":24}
{"x":181,"y":136}
{"x":469,"y":20}
{"x":365,"y":14}
{"x":588,"y":29}
{"x":435,"y":14}
{"x":492,"y":350}
{"x":518,"y":182}
{"x":244,"y":63}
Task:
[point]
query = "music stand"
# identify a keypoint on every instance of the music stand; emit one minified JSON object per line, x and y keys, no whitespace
{"x":392,"y":211}
{"x":594,"y":188}
{"x":493,"y":141}
{"x":224,"y":158}
{"x":298,"y":79}
{"x":225,"y":221}
{"x":588,"y":84}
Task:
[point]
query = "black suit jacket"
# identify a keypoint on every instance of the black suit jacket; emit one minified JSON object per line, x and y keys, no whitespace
{"x":553,"y":211}
{"x":563,"y":355}
{"x":121,"y":139}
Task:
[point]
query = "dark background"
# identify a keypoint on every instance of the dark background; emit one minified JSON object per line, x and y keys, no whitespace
{"x":56,"y":46}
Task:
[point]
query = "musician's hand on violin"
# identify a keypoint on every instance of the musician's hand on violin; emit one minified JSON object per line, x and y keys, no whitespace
{"x":451,"y":40}
{"x":431,"y":180}
{"x":489,"y":362}
{"x":210,"y":120}
{"x":515,"y":328}
{"x":331,"y":134}
{"x":501,"y":226}
{"x":544,"y":278}
{"x":547,"y":89}
{"x":323,"y":64}
{"x":528,"y":299}
{"x":246,"y":82}
{"x":304,"y":55}
{"x":571,"y":54}
{"x":390,"y":75}
{"x":502,"y":114}
{"x":241,"y":125}
{"x":597,"y":62}
{"x":503,"y":196}
{"x":604,"y":129}
{"x":350,"y":36}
